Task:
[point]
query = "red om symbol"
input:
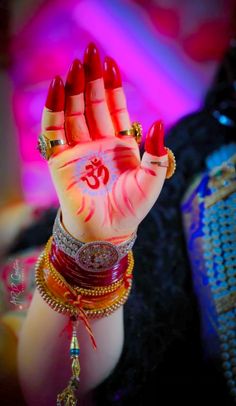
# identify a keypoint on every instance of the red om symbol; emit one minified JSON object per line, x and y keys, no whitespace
{"x":95,"y":170}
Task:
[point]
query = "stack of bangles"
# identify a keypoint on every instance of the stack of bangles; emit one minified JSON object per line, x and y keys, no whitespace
{"x":83,"y":280}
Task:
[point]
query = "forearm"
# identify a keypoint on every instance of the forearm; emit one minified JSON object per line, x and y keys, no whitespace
{"x":44,"y":365}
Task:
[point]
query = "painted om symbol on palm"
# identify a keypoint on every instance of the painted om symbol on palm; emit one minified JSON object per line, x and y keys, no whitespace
{"x":96,"y":174}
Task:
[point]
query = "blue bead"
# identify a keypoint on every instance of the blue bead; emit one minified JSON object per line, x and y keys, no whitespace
{"x":224,"y":347}
{"x":226,"y":365}
{"x":75,"y":351}
{"x":225,"y":356}
{"x":228,"y":374}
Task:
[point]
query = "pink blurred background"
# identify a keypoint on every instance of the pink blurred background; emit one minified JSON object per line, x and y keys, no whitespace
{"x":167,"y":50}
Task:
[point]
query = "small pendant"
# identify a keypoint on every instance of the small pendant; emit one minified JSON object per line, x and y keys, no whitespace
{"x":68,"y":396}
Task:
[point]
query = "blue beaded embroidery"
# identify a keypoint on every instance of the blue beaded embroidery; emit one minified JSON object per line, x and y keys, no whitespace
{"x":211,"y":239}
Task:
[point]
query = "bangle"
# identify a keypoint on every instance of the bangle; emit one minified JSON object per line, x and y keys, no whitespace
{"x":75,"y":275}
{"x":90,"y":256}
{"x":67,"y":304}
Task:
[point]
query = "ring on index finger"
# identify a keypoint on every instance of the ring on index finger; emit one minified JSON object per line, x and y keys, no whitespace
{"x":45,"y":146}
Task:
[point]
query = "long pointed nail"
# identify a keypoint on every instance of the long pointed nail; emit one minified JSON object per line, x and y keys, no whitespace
{"x":75,"y":79}
{"x":154,"y":143}
{"x":56,"y":95}
{"x":112,"y":76}
{"x":92,"y":63}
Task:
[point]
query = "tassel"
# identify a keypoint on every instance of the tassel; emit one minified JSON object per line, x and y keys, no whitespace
{"x":68,"y":396}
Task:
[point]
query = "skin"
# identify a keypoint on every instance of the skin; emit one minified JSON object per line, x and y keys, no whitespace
{"x":105,"y":191}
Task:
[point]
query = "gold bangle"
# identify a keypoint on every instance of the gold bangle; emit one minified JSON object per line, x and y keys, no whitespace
{"x":61,"y":306}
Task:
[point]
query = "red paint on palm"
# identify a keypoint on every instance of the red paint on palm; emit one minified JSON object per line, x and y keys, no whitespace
{"x":75,"y":79}
{"x":56,"y":95}
{"x":154,"y":143}
{"x":92,"y":63}
{"x":111,"y":74}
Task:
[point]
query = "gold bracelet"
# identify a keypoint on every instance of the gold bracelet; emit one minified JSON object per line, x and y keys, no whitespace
{"x":61,"y":306}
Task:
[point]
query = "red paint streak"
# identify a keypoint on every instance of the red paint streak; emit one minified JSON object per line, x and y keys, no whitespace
{"x":117,"y":111}
{"x":122,"y":156}
{"x":149,"y":171}
{"x":118,"y":239}
{"x":115,"y":199}
{"x":78,"y":113}
{"x":97,"y":101}
{"x":54,"y":128}
{"x":69,"y":163}
{"x":118,"y":149}
{"x":71,"y":184}
{"x":138,"y":185}
{"x":91,"y":211}
{"x":124,"y":191}
{"x":82,"y":206}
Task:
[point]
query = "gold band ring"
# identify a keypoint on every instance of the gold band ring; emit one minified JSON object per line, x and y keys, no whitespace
{"x":136,"y":131}
{"x":45,"y":146}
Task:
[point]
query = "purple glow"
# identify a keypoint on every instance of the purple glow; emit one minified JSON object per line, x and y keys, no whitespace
{"x":169,"y":94}
{"x":159,"y":81}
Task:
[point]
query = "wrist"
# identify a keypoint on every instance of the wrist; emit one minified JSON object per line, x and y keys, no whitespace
{"x":79,"y":230}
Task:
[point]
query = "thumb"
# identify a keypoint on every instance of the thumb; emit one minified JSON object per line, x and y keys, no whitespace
{"x":152,"y":171}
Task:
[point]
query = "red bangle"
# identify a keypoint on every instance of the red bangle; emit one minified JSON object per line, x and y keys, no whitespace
{"x":75,"y":275}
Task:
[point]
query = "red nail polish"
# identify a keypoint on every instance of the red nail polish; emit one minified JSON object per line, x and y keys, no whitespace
{"x":111,"y":74}
{"x":154,"y":143}
{"x":75,"y":79}
{"x":92,"y":63}
{"x":56,"y":95}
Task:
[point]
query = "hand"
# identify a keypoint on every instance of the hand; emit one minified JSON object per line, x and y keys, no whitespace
{"x":104,"y":189}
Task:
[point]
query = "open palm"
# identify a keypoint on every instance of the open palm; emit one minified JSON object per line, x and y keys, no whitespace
{"x":104,"y":189}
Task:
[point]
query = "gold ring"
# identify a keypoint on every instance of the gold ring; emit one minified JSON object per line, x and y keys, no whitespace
{"x":136,"y":131}
{"x":45,"y":146}
{"x":170,"y":164}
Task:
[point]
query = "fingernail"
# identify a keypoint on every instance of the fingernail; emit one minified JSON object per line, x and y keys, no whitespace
{"x":112,"y":76}
{"x":75,"y":79}
{"x":154,"y":143}
{"x":92,"y":63}
{"x":56,"y":95}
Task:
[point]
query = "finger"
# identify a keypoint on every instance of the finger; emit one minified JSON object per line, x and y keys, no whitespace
{"x":96,"y":110}
{"x":75,"y":123}
{"x":150,"y":176}
{"x":53,"y":114}
{"x":115,"y":96}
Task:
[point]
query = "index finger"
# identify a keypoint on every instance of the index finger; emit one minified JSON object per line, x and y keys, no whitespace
{"x":52,"y":124}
